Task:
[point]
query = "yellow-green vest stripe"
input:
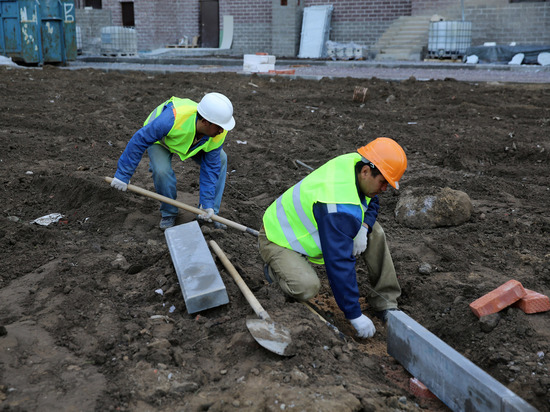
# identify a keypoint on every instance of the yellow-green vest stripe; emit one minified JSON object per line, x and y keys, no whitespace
{"x":180,"y":138}
{"x":289,"y":221}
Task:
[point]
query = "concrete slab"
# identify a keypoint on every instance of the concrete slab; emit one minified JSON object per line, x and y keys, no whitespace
{"x":455,"y":380}
{"x":200,"y":281}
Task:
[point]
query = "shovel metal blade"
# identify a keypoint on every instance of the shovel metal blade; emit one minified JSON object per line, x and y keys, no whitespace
{"x":273,"y":337}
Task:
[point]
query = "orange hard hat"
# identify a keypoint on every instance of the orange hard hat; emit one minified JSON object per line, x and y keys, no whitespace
{"x":388,"y":157}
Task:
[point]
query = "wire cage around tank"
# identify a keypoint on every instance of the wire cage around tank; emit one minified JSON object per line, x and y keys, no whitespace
{"x":118,"y":41}
{"x":449,"y":39}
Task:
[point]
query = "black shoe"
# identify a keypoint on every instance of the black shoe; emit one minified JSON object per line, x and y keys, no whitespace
{"x":267,"y":274}
{"x":383,"y":314}
{"x":167,"y":222}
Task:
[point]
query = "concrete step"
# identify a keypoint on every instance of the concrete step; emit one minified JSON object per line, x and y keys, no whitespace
{"x":404,"y":39}
{"x":407,"y":56}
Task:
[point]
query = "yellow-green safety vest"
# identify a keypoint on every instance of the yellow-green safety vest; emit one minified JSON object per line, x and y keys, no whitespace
{"x":289,"y":221}
{"x":180,"y":138}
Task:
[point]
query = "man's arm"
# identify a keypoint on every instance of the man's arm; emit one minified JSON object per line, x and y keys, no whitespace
{"x":337,"y":230}
{"x":209,"y":173}
{"x":371,"y":213}
{"x":141,"y":140}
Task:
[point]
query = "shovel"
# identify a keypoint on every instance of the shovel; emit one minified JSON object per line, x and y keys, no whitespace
{"x":266,"y":332}
{"x":183,"y":206}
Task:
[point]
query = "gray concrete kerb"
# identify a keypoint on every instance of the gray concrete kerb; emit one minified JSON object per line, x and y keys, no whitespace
{"x":189,"y":60}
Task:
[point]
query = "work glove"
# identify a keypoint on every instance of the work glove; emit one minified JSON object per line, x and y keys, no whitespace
{"x":360,"y":241}
{"x":364,"y":326}
{"x":208,"y":213}
{"x":119,"y":184}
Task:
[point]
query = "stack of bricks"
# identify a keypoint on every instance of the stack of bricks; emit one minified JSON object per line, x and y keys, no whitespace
{"x":533,"y":302}
{"x":510,"y":293}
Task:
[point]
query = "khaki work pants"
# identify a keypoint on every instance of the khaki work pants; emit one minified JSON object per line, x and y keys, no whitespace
{"x":298,"y":279}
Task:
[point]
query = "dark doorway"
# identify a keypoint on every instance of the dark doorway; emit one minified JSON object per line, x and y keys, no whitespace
{"x":95,"y":4}
{"x":127,"y":13}
{"x":210,"y":23}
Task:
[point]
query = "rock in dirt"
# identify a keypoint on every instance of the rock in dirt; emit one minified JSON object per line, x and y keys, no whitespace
{"x":489,"y":322}
{"x":422,"y":208}
{"x":425,"y":269}
{"x":120,"y":263}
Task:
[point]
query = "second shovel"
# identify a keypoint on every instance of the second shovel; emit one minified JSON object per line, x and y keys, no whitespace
{"x":265,"y":331}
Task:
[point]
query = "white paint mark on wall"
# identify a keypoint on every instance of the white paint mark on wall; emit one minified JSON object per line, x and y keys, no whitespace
{"x":68,"y":8}
{"x":25,"y":15}
{"x":27,"y":38}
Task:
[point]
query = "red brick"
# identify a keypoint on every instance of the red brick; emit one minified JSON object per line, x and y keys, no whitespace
{"x":498,"y":299}
{"x":533,"y":302}
{"x":420,"y":390}
{"x":282,"y":71}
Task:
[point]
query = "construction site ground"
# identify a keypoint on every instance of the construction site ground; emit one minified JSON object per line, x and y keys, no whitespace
{"x":83,"y":325}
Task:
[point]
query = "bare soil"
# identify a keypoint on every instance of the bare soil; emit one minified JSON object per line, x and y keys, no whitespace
{"x":79,"y":324}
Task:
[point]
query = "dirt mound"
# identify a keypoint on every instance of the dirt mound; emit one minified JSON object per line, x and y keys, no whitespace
{"x":84,"y":331}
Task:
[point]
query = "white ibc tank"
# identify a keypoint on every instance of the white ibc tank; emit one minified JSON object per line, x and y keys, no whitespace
{"x":449,"y":38}
{"x":118,"y":40}
{"x":78,"y":38}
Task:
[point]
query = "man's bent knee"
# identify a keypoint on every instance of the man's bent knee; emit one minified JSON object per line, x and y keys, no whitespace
{"x":305,"y":289}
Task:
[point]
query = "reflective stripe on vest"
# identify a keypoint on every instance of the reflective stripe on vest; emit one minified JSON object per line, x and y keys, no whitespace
{"x":289,"y":221}
{"x":180,"y":138}
{"x":309,"y":225}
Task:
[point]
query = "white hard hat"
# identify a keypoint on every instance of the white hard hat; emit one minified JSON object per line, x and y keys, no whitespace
{"x":217,"y":109}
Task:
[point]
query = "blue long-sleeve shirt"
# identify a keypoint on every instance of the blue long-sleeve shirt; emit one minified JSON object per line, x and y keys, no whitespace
{"x":338,"y":225}
{"x":154,"y":131}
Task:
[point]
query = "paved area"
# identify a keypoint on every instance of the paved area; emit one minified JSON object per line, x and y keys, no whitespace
{"x":317,"y":69}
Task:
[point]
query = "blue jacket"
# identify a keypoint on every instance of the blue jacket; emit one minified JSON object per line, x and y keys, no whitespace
{"x":336,"y":232}
{"x":210,"y":166}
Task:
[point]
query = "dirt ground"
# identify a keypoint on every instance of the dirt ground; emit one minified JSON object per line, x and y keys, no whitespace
{"x":79,"y":312}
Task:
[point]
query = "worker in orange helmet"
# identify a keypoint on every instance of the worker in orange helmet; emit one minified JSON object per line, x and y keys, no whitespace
{"x":330,"y":217}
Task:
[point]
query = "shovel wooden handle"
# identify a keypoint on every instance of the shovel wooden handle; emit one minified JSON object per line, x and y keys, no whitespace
{"x":260,"y":311}
{"x":153,"y":195}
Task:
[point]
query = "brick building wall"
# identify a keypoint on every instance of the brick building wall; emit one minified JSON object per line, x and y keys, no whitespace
{"x":286,"y":25}
{"x":116,"y":10}
{"x":90,"y":23}
{"x":159,"y":23}
{"x":252,"y":24}
{"x":363,"y":21}
{"x":523,"y":23}
{"x":526,"y":23}
{"x":420,"y":7}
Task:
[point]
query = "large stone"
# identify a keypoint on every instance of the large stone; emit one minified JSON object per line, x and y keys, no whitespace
{"x":422,"y":208}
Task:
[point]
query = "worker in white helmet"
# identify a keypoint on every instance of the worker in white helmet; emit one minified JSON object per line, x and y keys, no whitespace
{"x":190,"y":130}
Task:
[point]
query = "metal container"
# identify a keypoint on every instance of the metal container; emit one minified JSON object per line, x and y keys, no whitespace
{"x":449,"y":38}
{"x":118,"y":41}
{"x":38,"y":31}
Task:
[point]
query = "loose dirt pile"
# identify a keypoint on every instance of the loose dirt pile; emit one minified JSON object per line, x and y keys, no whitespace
{"x":77,"y":298}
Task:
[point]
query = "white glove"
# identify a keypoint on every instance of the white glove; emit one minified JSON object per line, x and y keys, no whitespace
{"x":364,"y":326}
{"x":207,"y":215}
{"x":360,"y":241}
{"x":119,"y":184}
